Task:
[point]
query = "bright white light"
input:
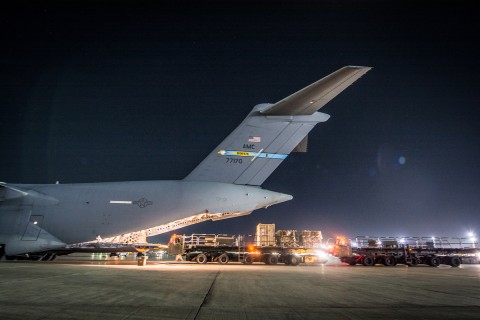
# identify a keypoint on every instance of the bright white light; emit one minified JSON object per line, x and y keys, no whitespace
{"x":322,"y":255}
{"x":470,"y":234}
{"x":402,"y":240}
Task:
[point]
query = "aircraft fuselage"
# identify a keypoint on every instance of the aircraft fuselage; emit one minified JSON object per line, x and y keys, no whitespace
{"x":43,"y":219}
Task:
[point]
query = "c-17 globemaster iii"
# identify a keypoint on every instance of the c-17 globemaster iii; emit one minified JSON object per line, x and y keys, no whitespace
{"x":36,"y":219}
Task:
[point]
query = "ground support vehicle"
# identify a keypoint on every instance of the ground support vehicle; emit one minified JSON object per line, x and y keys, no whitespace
{"x":289,"y":256}
{"x":203,"y":248}
{"x":394,"y":253}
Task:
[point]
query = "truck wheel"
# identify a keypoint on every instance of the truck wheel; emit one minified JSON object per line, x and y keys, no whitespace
{"x":223,"y":258}
{"x":271,"y":259}
{"x":294,"y":260}
{"x":434,"y":262}
{"x":248,"y":259}
{"x":413,"y":262}
{"x":201,"y":258}
{"x":389,"y":261}
{"x":368,"y":261}
{"x":455,"y":261}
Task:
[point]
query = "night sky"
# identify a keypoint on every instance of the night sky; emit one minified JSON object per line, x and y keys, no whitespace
{"x":116,"y":91}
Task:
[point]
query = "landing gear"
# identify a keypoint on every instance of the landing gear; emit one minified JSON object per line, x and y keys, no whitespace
{"x":48,"y":257}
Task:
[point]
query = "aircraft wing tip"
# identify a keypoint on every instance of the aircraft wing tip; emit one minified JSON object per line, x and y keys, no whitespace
{"x":359,"y":67}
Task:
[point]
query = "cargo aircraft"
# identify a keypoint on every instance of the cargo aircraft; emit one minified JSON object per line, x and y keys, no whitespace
{"x":37,"y":219}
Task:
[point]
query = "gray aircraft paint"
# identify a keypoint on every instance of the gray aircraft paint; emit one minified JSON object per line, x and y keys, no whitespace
{"x":37,"y":218}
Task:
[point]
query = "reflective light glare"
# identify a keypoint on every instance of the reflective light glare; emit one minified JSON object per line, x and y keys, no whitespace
{"x":321,"y":254}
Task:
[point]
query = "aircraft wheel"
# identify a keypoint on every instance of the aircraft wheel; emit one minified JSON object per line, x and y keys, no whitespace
{"x":201,"y":258}
{"x":223,"y":258}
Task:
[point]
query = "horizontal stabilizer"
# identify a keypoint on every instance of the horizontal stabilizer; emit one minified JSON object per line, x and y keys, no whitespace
{"x":9,"y":193}
{"x":312,"y":98}
{"x":271,"y":132}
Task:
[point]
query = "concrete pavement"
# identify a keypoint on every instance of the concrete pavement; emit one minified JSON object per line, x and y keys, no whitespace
{"x":123,"y":290}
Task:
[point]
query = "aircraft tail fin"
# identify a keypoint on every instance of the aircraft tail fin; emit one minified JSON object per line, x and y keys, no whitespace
{"x":270,"y":132}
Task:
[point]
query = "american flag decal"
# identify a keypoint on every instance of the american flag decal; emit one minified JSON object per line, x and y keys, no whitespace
{"x":254,"y":139}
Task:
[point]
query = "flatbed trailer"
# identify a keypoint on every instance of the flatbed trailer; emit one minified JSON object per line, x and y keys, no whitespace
{"x":399,"y":254}
{"x":203,"y":248}
{"x":287,"y":247}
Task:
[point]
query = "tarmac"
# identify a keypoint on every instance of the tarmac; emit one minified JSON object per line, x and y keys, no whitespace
{"x":117,"y":288}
